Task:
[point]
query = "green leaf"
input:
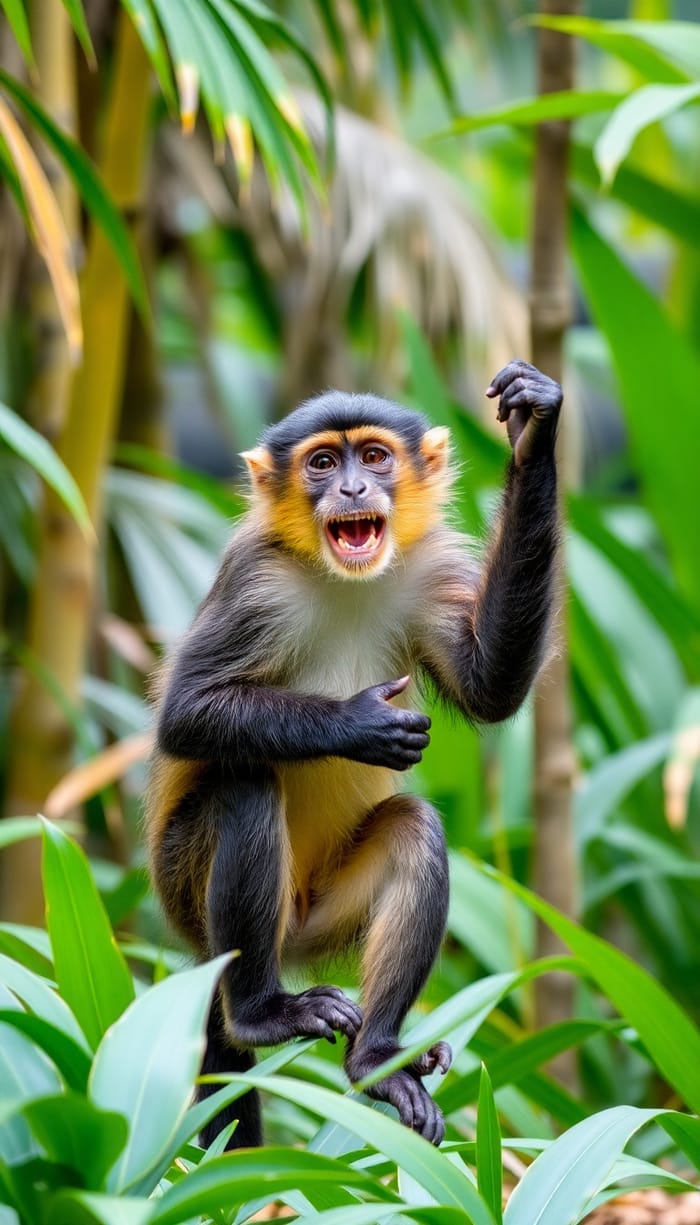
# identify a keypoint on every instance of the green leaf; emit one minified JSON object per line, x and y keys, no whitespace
{"x":644,"y":107}
{"x":671,"y":1038}
{"x":76,"y":14}
{"x":636,"y":42}
{"x":77,"y":1135}
{"x":230,"y":1180}
{"x":606,"y":785}
{"x":516,"y":1061}
{"x":90,"y":969}
{"x":16,"y":14}
{"x":489,"y":1169}
{"x":650,"y":385}
{"x":71,"y":1060}
{"x":25,"y":1074}
{"x":37,"y":452}
{"x":28,"y":945}
{"x":86,"y":1208}
{"x":525,"y":112}
{"x":97,"y":201}
{"x":146,"y":25}
{"x":447,"y":1184}
{"x":561,"y":1182}
{"x":40,"y":998}
{"x":146,"y":1065}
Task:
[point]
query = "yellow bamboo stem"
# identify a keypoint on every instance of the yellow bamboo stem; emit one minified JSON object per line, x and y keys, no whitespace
{"x":61,"y":611}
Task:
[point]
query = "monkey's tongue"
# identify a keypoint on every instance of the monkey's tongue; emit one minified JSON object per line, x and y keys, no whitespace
{"x":356,"y":532}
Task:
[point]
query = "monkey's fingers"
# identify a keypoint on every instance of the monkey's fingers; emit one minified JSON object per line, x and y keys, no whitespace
{"x":505,"y":376}
{"x":415,"y":1106}
{"x":391,"y":689}
{"x":437,"y":1056}
{"x":330,"y":1005}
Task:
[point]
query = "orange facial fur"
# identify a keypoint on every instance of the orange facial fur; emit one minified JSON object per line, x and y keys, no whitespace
{"x":421,"y":493}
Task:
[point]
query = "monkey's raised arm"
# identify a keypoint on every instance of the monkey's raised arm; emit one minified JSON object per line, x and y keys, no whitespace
{"x":494,"y":638}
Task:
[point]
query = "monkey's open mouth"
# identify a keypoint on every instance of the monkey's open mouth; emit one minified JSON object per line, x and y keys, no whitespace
{"x":355,"y":535}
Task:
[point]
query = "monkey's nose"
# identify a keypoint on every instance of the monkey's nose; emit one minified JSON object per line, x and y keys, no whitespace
{"x":353,"y":488}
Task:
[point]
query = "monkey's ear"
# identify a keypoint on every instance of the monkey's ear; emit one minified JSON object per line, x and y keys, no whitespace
{"x":260,"y":465}
{"x":435,"y":449}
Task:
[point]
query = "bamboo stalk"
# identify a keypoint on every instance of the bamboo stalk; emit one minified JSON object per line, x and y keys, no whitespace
{"x":554,"y":864}
{"x":62,"y":605}
{"x":54,"y":49}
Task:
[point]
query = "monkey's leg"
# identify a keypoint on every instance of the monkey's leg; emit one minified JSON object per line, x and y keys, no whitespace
{"x":406,"y":925}
{"x":247,"y":905}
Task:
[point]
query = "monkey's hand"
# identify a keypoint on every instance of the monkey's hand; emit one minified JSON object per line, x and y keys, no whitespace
{"x":379,"y":734}
{"x":530,"y":403}
{"x":403,"y":1089}
{"x":315,"y":1013}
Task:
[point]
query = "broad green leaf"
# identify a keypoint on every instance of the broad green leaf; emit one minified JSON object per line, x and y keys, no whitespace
{"x":557,"y":1188}
{"x":97,"y":201}
{"x":441,"y":1179}
{"x":671,"y":1038}
{"x":644,"y":107}
{"x":650,"y":385}
{"x":16,"y":14}
{"x":76,"y":1135}
{"x":484,"y":920}
{"x":489,"y":1170}
{"x":676,"y":211}
{"x":25,"y":1074}
{"x":564,"y":104}
{"x":40,"y":998}
{"x":36,"y":451}
{"x":70,"y":1059}
{"x":677,"y":618}
{"x":203,"y":1112}
{"x":90,"y":969}
{"x":26,"y":945}
{"x":146,"y":1065}
{"x":642,"y":44}
{"x":86,"y":1208}
{"x":16,"y":829}
{"x":605,"y":786}
{"x":230,"y":1180}
{"x":368,"y":1214}
{"x":517,"y":1060}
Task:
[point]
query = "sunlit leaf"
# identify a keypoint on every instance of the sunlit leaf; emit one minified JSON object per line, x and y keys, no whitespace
{"x":146,"y":1065}
{"x":644,"y":107}
{"x":90,"y":969}
{"x":87,"y":182}
{"x":37,"y":452}
{"x":48,"y":228}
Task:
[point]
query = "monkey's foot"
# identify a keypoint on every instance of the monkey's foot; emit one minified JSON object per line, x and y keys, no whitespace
{"x":315,"y":1013}
{"x":403,"y":1089}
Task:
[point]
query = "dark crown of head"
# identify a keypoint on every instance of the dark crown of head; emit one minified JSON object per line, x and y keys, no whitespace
{"x":341,"y":410}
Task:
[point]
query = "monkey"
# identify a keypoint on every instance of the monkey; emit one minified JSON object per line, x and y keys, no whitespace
{"x":277,"y":823}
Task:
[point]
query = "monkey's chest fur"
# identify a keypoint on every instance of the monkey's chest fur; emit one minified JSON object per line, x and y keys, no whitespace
{"x":351,"y":640}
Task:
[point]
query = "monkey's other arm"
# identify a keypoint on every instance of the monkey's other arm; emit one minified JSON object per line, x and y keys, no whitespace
{"x":239,"y":724}
{"x":490,"y":662}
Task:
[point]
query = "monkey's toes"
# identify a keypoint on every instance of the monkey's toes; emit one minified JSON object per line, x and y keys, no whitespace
{"x":437,"y":1056}
{"x":414,"y":1104}
{"x":324,"y":1009}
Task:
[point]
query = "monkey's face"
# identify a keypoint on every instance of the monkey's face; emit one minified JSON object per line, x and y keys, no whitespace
{"x":350,"y":483}
{"x":351,"y":500}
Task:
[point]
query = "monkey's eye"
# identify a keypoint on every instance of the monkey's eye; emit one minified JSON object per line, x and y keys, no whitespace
{"x":375,"y":456}
{"x":322,"y":461}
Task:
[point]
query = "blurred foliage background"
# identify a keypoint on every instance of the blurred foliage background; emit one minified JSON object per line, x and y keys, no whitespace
{"x":211,"y":209}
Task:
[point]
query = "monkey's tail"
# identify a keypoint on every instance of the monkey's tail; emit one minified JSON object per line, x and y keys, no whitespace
{"x":220,"y":1056}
